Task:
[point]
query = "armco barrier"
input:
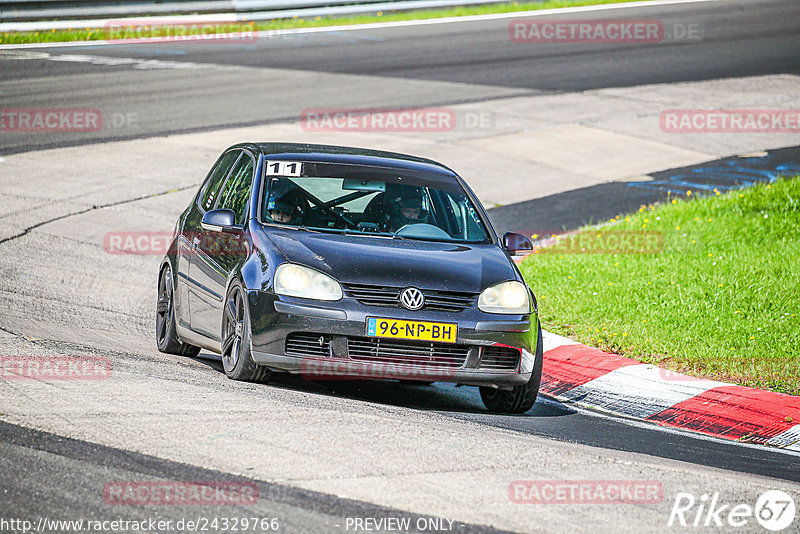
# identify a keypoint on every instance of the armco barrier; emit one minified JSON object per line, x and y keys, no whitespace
{"x":28,"y":15}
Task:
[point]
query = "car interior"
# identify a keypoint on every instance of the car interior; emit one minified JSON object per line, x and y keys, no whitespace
{"x":370,"y":206}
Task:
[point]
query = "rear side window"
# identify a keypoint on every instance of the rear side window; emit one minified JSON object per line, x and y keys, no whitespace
{"x":215,"y":179}
{"x":236,"y":191}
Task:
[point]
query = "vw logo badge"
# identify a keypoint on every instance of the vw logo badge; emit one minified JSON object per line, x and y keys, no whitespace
{"x":412,"y":298}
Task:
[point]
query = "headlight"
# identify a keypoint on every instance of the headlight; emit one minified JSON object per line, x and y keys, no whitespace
{"x":298,"y":281}
{"x":505,"y":297}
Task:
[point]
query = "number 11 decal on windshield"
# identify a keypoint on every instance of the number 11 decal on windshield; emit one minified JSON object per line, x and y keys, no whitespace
{"x":284,"y":168}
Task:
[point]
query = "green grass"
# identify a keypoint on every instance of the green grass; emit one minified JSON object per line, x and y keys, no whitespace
{"x":95,"y":34}
{"x":721,"y":300}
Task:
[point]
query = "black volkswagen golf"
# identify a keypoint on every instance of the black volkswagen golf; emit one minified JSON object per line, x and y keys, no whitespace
{"x":337,"y":262}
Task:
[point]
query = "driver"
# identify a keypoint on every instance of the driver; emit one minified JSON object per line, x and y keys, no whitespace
{"x":284,"y":210}
{"x":406,"y":207}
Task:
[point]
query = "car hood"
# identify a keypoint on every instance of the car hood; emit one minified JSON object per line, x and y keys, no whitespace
{"x":396,"y":262}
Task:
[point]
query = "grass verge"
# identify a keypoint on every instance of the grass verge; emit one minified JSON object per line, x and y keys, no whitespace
{"x":721,"y":299}
{"x":100,"y":33}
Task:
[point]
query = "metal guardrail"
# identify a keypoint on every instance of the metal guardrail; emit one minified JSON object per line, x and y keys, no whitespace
{"x":41,"y":10}
{"x":45,"y":15}
{"x":25,"y":10}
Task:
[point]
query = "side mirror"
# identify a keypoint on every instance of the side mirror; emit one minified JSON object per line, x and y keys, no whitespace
{"x":515,"y":243}
{"x":218,"y":221}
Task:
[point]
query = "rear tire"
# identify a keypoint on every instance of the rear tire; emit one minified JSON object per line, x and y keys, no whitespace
{"x":166,"y":335}
{"x":522,"y":397}
{"x":236,"y":358}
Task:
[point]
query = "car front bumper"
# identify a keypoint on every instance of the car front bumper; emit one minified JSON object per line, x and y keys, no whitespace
{"x":278,"y":321}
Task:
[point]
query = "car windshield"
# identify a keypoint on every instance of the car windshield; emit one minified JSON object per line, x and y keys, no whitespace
{"x":370,"y":201}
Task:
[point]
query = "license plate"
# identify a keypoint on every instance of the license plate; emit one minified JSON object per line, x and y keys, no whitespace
{"x":419,"y":330}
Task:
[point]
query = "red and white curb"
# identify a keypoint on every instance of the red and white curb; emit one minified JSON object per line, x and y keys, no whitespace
{"x":590,"y":377}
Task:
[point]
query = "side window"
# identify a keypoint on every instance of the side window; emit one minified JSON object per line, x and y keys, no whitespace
{"x":215,"y":178}
{"x":236,"y":191}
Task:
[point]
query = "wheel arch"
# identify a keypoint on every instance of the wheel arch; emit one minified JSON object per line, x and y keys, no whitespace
{"x":170,"y":259}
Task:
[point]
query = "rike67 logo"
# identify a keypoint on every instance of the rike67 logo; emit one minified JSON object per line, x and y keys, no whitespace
{"x":774,"y":510}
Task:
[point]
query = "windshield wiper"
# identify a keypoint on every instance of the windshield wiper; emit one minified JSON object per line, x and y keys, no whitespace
{"x":319,"y":230}
{"x":341,"y":231}
{"x":351,"y":231}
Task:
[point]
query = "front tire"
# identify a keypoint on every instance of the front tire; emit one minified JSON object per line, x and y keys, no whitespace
{"x":166,"y":336}
{"x":236,"y":358}
{"x":522,"y":397}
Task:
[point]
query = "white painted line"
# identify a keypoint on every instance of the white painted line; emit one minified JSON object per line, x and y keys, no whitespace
{"x":789,"y":440}
{"x":136,"y":63}
{"x":638,"y":390}
{"x":348,"y":27}
{"x":552,"y":341}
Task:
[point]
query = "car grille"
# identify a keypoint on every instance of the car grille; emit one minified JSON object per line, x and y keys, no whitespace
{"x":499,"y":358}
{"x":377,"y":350}
{"x":302,"y":344}
{"x":425,"y":353}
{"x":394,"y":351}
{"x":373,"y":295}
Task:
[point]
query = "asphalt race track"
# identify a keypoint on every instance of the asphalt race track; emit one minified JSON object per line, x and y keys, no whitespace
{"x":320,"y":454}
{"x":270,"y":79}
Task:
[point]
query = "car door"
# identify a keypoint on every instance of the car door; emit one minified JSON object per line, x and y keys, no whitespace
{"x":217,"y":253}
{"x":194,"y":291}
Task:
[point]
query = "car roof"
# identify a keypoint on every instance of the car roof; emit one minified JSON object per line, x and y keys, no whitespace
{"x":348,"y":155}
